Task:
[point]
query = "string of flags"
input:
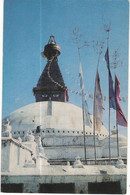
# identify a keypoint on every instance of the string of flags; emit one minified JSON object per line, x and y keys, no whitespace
{"x":106,"y":98}
{"x":91,"y":96}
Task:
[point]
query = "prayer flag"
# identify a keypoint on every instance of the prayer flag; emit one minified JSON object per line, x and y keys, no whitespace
{"x":84,"y":101}
{"x":121,"y":120}
{"x":98,"y":101}
{"x":112,"y":101}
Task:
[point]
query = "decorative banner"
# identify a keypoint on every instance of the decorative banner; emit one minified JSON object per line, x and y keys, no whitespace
{"x":121,"y":120}
{"x":91,"y":96}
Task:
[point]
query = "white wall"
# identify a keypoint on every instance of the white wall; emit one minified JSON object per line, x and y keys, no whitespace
{"x":70,"y":152}
{"x":31,"y":183}
{"x":70,"y":141}
{"x":5,"y":156}
{"x":13,"y":155}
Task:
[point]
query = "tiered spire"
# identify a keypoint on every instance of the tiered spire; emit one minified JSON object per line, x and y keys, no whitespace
{"x":51,"y":85}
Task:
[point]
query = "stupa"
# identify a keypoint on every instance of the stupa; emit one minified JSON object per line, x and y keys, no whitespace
{"x":46,"y":137}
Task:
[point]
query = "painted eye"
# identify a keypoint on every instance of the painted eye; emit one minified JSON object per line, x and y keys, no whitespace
{"x":56,"y":95}
{"x":44,"y":95}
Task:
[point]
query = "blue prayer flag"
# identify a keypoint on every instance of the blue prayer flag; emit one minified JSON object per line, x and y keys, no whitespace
{"x":112,"y":101}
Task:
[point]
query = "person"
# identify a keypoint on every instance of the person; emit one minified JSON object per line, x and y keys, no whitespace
{"x":38,"y":129}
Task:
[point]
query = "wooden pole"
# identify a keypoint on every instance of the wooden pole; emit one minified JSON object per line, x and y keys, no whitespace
{"x":109,"y":102}
{"x":94,"y":127}
{"x":83,"y":100}
{"x":118,"y":154}
{"x":84,"y":128}
{"x":94,"y":130}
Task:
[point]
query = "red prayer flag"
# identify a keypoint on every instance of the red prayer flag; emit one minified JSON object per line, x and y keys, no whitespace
{"x":121,"y":120}
{"x":98,"y":101}
{"x":117,"y":84}
{"x":66,"y":94}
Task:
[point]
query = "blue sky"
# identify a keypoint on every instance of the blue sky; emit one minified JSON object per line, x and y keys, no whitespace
{"x":27,"y":27}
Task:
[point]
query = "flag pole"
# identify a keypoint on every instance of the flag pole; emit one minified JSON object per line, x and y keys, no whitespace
{"x":75,"y":33}
{"x":116,"y":123}
{"x":94,"y":126}
{"x":84,"y":129}
{"x":108,"y":30}
{"x":117,"y":136}
{"x":94,"y":130}
{"x":83,"y":112}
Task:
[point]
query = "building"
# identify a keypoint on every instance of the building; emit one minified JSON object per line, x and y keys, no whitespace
{"x":43,"y":143}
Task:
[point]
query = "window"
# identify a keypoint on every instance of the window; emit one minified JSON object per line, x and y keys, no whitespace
{"x":57,"y":188}
{"x":12,"y":188}
{"x":104,"y":188}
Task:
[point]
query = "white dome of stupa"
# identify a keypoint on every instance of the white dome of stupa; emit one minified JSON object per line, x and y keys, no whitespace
{"x":52,"y":117}
{"x":113,"y":141}
{"x":122,"y":140}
